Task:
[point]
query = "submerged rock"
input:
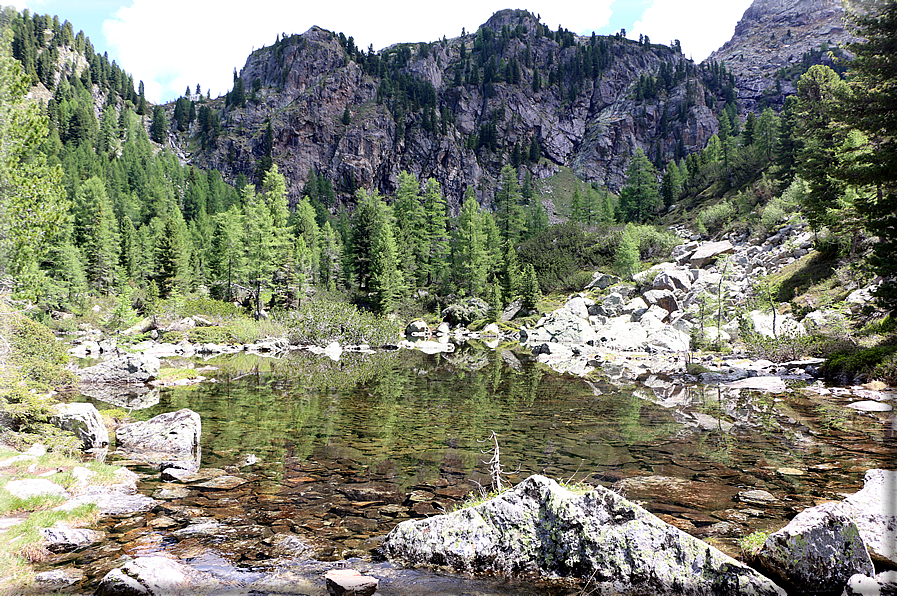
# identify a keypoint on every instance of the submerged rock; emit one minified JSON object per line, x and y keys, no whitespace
{"x":540,"y":527}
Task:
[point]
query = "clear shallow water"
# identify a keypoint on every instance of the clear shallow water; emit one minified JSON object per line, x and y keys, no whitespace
{"x":347,"y":450}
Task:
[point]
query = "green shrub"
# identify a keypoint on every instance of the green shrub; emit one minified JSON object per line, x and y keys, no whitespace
{"x":879,"y":362}
{"x":714,"y":218}
{"x":209,"y":335}
{"x":216,"y":310}
{"x":654,"y":244}
{"x":321,"y":322}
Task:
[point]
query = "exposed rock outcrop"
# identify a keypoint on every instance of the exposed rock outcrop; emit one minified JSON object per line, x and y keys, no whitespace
{"x":774,"y":35}
{"x":540,"y":527}
{"x":332,"y":114}
{"x":84,"y":421}
{"x":169,"y":440}
{"x":818,"y":551}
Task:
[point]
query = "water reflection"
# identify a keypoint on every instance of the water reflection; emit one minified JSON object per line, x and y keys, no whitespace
{"x":346,"y":449}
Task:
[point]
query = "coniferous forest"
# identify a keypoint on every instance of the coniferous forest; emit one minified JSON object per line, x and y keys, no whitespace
{"x":97,"y":203}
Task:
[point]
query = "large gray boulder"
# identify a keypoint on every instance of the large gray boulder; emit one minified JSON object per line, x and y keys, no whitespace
{"x":542,"y":528}
{"x":167,"y":440}
{"x":84,"y":421}
{"x":154,"y":576}
{"x":818,"y":551}
{"x":564,"y":326}
{"x":874,"y":510}
{"x":130,"y":368}
{"x":707,"y":252}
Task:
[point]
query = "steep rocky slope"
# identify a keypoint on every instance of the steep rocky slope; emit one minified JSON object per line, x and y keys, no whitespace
{"x":459,"y":109}
{"x":775,"y":36}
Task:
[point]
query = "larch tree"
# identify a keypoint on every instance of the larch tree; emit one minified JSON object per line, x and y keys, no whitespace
{"x":639,"y":197}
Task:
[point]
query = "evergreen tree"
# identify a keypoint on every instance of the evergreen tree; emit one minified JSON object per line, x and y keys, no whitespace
{"x":639,"y":197}
{"x":671,"y":185}
{"x":387,"y":281}
{"x":170,"y":256}
{"x":470,"y":256}
{"x":260,"y":245}
{"x":819,"y":92}
{"x":226,"y":256}
{"x":510,"y":277}
{"x":329,"y":264}
{"x":508,"y":211}
{"x":626,"y":257}
{"x":872,"y":109}
{"x":411,"y":230}
{"x":129,"y":255}
{"x":369,"y":215}
{"x":159,"y":125}
{"x":95,"y":234}
{"x":530,"y":291}
{"x":436,"y":231}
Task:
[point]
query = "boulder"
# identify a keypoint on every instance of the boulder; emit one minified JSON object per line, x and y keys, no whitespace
{"x":131,"y":368}
{"x":57,"y":579}
{"x":874,"y":510}
{"x":818,"y":551}
{"x":542,"y":528}
{"x":35,"y":487}
{"x":167,"y":440}
{"x":707,"y":252}
{"x":579,"y":306}
{"x":60,"y":538}
{"x":443,"y":329}
{"x":417,"y":328}
{"x":350,"y":582}
{"x":562,"y":326}
{"x":153,"y":576}
{"x":675,"y":280}
{"x":665,"y":299}
{"x":602,"y":281}
{"x":84,"y":421}
{"x":784,"y":324}
{"x":883,"y":584}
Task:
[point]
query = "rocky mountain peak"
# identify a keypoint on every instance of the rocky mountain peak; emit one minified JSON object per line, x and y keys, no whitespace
{"x":511,"y":18}
{"x":776,"y":41}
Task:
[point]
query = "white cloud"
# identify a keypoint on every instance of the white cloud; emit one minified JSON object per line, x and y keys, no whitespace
{"x":702,"y":26}
{"x":171,"y":44}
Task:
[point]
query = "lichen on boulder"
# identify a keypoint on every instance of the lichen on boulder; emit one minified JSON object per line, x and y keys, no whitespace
{"x":541,"y":528}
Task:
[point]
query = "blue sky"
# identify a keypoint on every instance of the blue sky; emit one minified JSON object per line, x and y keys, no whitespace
{"x":170,"y":44}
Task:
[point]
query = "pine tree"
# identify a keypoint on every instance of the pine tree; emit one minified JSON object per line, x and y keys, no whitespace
{"x":411,"y":229}
{"x":259,"y":244}
{"x":159,"y":125}
{"x":530,"y":291}
{"x":226,"y":256}
{"x":872,"y":109}
{"x":387,"y":281}
{"x":436,"y":228}
{"x":510,"y":277}
{"x":95,"y":234}
{"x":639,"y":197}
{"x":369,"y":215}
{"x":819,"y":90}
{"x":626,"y":257}
{"x":509,"y":214}
{"x":470,"y":256}
{"x":170,"y":254}
{"x":329,"y":264}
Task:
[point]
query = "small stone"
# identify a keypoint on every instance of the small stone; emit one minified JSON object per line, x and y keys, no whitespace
{"x":222,"y":483}
{"x":756,"y":497}
{"x":790,"y":472}
{"x":870,"y":406}
{"x":25,"y":489}
{"x":349,"y":581}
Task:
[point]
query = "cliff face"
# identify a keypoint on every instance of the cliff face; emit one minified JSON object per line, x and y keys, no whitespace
{"x":457,"y":110}
{"x":775,"y":36}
